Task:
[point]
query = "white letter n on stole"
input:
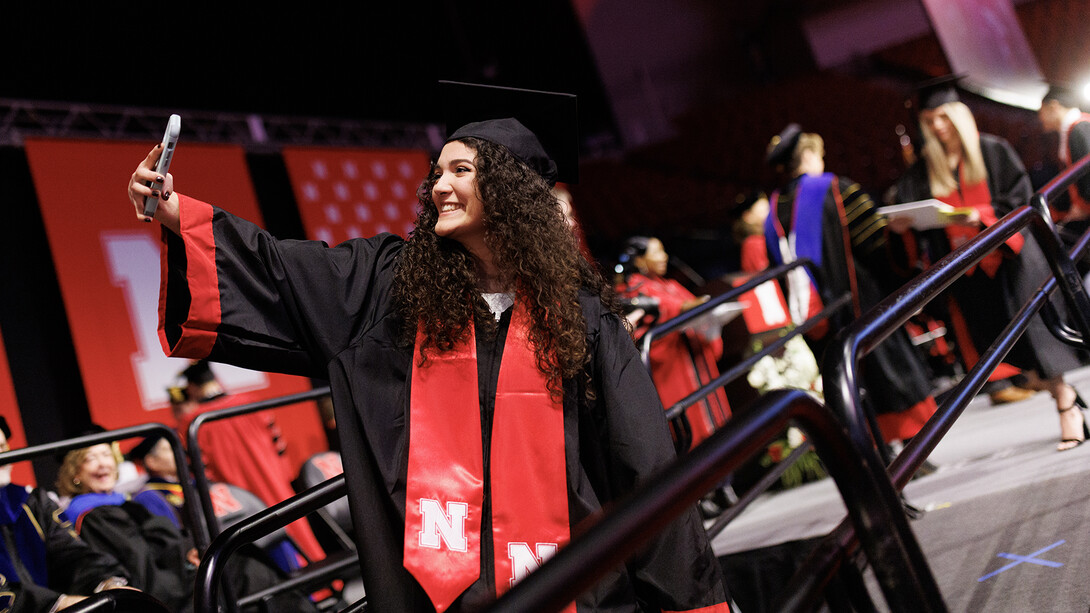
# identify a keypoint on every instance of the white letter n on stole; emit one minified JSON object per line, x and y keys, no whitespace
{"x":448,"y":525}
{"x":523,"y":560}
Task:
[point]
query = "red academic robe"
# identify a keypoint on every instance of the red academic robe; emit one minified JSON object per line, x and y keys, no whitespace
{"x":241,"y":451}
{"x":682,"y":362}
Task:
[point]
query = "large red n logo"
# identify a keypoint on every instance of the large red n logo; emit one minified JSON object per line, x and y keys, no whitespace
{"x":443,"y":526}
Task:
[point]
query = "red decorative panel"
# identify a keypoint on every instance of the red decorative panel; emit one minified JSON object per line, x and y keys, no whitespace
{"x":346,"y":193}
{"x":108,"y":270}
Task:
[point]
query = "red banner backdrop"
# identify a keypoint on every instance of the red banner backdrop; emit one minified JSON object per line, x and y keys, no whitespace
{"x":108,"y":269}
{"x":22,"y":472}
{"x":344,"y":193}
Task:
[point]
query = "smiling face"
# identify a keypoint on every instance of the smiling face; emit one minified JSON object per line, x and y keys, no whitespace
{"x":461,"y":212}
{"x":98,"y":470}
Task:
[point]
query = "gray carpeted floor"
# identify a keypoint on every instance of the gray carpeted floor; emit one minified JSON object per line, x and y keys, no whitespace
{"x":1007,"y":525}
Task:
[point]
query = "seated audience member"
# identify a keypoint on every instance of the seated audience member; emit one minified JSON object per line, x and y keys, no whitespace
{"x":44,"y":566}
{"x":143,"y":532}
{"x":245,"y":451}
{"x":682,"y":362}
{"x":157,"y":458}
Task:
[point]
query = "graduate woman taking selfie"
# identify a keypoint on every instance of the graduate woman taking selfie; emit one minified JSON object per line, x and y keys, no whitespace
{"x":488,"y":396}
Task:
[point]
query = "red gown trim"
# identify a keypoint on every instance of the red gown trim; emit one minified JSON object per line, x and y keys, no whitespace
{"x":899,"y":426}
{"x":199,"y":330}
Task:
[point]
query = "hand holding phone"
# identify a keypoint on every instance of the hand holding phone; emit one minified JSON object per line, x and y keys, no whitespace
{"x":170,"y":140}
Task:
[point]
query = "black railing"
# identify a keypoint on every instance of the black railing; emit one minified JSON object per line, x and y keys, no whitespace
{"x":316,"y":573}
{"x":842,"y":389}
{"x":200,"y":533}
{"x":265,"y":522}
{"x":676,"y":412}
{"x":617,"y":535}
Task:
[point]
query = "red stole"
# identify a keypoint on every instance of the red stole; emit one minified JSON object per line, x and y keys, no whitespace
{"x":978,"y":197}
{"x":445,"y":490}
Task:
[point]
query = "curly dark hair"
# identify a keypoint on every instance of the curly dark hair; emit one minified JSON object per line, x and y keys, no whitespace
{"x":535,"y":250}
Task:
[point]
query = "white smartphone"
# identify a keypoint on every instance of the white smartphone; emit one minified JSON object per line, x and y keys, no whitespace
{"x":170,"y":140}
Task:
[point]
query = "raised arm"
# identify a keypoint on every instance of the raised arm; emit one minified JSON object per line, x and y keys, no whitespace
{"x":234,"y":293}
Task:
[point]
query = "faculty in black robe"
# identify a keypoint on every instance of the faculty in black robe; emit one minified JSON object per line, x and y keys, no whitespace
{"x":144,"y":534}
{"x":45,"y":560}
{"x":44,"y":566}
{"x":834,"y":222}
{"x":982,"y":172}
{"x":233,"y":293}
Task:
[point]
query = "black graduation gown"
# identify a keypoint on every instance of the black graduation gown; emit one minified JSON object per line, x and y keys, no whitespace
{"x":73,"y":566}
{"x":1078,"y":147}
{"x":302,"y":308}
{"x":151,"y":546}
{"x":155,"y":551}
{"x":894,"y":376}
{"x":989,"y":304}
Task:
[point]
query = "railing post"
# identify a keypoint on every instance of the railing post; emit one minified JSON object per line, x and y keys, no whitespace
{"x":1063,"y":267}
{"x":887,"y":540}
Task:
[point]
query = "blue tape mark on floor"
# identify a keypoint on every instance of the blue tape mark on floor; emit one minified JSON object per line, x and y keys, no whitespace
{"x":1031,"y":558}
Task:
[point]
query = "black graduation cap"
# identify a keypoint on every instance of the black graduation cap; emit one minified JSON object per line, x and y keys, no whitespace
{"x":1064,"y":94}
{"x":143,"y":448}
{"x":936,"y":92}
{"x":540,"y":128}
{"x":782,"y":146}
{"x":198,"y":374}
{"x":745,"y":200}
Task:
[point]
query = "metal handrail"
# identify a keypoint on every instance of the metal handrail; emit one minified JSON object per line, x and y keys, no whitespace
{"x":842,"y":391}
{"x":267,"y":521}
{"x":676,"y":412}
{"x":745,"y":365}
{"x":614,"y":537}
{"x":200,"y":533}
{"x":676,"y":323}
{"x":200,"y":477}
{"x":804,"y":588}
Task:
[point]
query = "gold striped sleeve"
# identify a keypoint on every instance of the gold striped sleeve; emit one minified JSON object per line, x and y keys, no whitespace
{"x":863,"y":233}
{"x":34,"y":520}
